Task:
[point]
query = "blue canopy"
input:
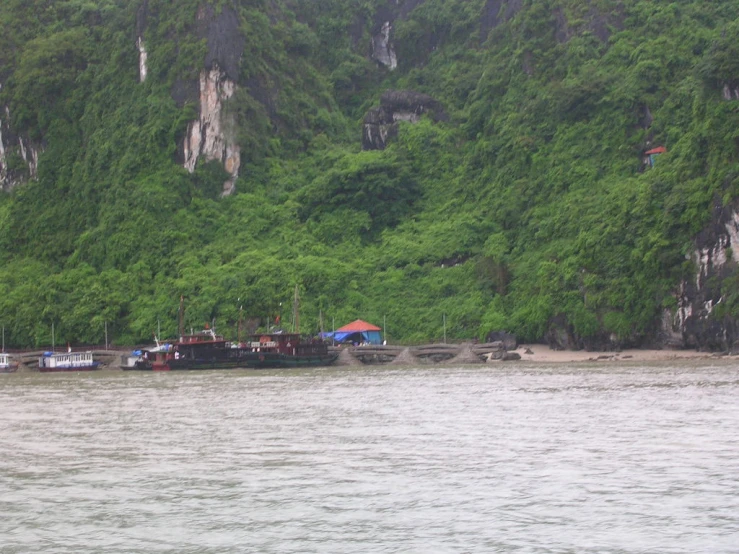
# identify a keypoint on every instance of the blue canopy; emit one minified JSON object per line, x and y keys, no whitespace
{"x":372,"y":337}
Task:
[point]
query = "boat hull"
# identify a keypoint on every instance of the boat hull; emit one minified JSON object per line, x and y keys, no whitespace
{"x":249,"y":360}
{"x":93,"y":367}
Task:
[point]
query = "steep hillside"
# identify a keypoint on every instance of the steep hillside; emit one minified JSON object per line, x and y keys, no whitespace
{"x":482,"y":163}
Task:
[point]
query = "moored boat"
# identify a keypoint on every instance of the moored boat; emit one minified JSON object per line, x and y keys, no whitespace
{"x":129,"y":361}
{"x":6,"y":364}
{"x":207,"y":350}
{"x":67,"y":361}
{"x":285,"y":350}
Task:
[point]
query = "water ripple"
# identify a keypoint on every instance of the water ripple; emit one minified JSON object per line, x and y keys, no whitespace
{"x":621,"y":459}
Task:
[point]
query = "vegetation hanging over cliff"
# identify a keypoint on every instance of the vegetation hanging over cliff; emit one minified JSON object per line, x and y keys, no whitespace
{"x":530,"y":209}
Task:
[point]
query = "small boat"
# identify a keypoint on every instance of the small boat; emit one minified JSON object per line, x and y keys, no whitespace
{"x":6,"y":365}
{"x":67,"y":361}
{"x":129,"y":361}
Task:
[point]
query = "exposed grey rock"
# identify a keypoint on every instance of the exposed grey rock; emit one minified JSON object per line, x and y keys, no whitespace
{"x":507,"y":340}
{"x":493,"y":14}
{"x":18,"y":155}
{"x":225,"y":43}
{"x":380,"y":124}
{"x":382,"y":48}
{"x":730,"y":92}
{"x":715,"y":257}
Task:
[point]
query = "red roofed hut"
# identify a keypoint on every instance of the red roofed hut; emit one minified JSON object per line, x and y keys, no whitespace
{"x":359,"y":332}
{"x":653,"y":153}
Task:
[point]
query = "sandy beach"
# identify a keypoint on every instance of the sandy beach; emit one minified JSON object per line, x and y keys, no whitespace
{"x":542,"y":353}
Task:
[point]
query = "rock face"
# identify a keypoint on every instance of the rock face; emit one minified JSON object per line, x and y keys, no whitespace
{"x":382,"y":48}
{"x":211,"y":137}
{"x":695,"y":323}
{"x":730,"y":92}
{"x":208,"y":137}
{"x":508,"y":340}
{"x":18,"y":156}
{"x":493,"y":14}
{"x":381,"y":124}
{"x":143,"y":55}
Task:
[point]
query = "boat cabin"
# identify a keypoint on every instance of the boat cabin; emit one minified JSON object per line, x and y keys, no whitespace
{"x":5,"y":361}
{"x":289,"y":344}
{"x":51,"y":360}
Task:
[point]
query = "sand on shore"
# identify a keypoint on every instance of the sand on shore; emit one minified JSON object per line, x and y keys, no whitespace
{"x":542,"y":353}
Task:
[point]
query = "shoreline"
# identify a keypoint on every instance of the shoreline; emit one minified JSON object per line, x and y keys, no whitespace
{"x":541,"y":353}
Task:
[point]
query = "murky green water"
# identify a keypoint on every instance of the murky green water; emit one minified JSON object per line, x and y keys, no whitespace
{"x":508,"y":458}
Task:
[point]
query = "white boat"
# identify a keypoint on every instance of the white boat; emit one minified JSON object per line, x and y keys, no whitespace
{"x":67,"y":361}
{"x":6,"y":365}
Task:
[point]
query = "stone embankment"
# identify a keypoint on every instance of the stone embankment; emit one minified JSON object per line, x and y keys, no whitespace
{"x":466,"y":353}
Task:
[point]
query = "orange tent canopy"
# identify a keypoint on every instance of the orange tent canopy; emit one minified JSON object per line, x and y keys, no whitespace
{"x":357,"y":326}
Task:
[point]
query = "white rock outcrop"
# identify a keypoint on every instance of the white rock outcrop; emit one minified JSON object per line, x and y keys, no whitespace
{"x":382,"y":48}
{"x":210,"y":137}
{"x":9,"y":144}
{"x":143,"y":56}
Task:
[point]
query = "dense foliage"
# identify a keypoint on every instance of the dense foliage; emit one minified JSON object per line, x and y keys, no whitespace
{"x":532,"y":204}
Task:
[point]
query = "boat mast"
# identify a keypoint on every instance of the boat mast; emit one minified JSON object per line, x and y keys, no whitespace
{"x":238,"y":326}
{"x":296,"y":311}
{"x":182,"y":316}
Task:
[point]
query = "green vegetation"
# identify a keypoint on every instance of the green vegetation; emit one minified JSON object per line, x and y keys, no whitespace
{"x":531,"y":204}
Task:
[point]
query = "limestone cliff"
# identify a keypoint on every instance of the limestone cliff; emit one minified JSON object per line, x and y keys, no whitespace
{"x":700,"y":320}
{"x":209,"y":137}
{"x":18,"y":155}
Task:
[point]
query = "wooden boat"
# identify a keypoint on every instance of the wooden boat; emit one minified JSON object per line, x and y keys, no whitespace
{"x":6,"y":365}
{"x":129,"y":361}
{"x":203,"y":350}
{"x":285,"y":350}
{"x":207,"y":350}
{"x":67,"y":361}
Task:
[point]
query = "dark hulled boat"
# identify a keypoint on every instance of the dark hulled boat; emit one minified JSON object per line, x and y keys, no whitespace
{"x":207,"y":350}
{"x":275,"y":350}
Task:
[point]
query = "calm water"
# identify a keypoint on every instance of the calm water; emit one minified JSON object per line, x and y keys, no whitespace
{"x":512,"y":458}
